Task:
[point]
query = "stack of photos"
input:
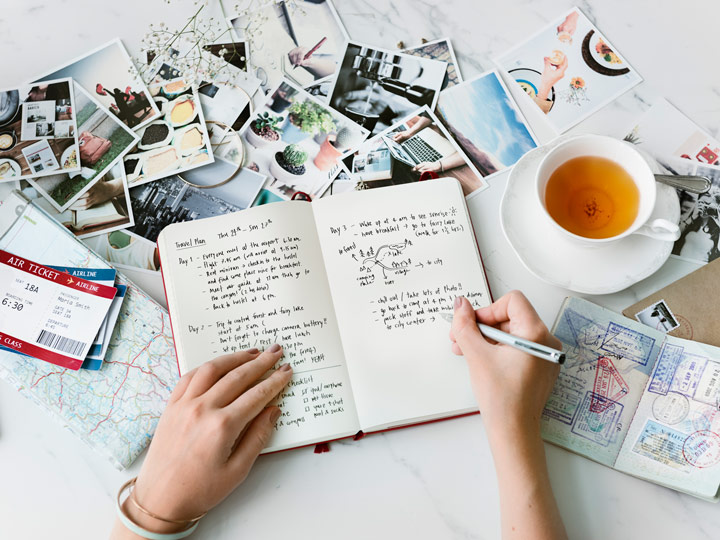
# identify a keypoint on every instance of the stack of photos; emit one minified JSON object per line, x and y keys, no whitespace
{"x":172,"y":200}
{"x":110,"y":75}
{"x":569,"y":69}
{"x":442,"y":50}
{"x":300,"y":40}
{"x":103,"y":208}
{"x":102,"y":141}
{"x":682,"y":147}
{"x":485,"y":121}
{"x":297,"y":142}
{"x":176,"y":142}
{"x":38,"y":130}
{"x":401,"y":154}
{"x":376,"y":87}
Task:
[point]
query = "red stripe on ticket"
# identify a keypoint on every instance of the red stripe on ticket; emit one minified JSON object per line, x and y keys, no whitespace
{"x":89,"y":287}
{"x":39,"y":352}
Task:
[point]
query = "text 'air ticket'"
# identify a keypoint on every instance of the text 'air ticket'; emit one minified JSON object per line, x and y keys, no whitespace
{"x":48,"y":314}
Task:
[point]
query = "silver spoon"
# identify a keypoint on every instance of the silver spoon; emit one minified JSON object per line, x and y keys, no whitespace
{"x":686,"y":182}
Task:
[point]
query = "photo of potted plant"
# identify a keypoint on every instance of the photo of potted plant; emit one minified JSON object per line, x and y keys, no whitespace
{"x":331,"y":150}
{"x":306,"y":118}
{"x":264,"y":130}
{"x":288,"y":166}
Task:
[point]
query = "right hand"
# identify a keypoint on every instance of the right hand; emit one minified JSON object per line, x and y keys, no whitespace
{"x":401,"y":136}
{"x":569,"y":25}
{"x":511,"y":387}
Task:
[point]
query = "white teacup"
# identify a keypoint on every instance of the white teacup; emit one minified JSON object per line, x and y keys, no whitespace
{"x":629,"y":159}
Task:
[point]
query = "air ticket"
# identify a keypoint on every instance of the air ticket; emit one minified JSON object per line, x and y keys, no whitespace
{"x":48,"y":314}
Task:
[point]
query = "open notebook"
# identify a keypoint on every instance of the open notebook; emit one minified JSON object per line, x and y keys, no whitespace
{"x":637,"y":400}
{"x":351,"y":286}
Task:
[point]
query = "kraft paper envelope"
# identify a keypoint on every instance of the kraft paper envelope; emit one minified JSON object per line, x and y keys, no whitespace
{"x":690,"y":306}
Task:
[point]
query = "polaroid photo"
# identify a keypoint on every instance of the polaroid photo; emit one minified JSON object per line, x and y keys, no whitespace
{"x":108,"y":72}
{"x":103,"y":141}
{"x":176,"y":142}
{"x":699,"y":214}
{"x":440,"y":49}
{"x":486,"y":123}
{"x":415,"y":147}
{"x":376,"y":87}
{"x":124,"y":249}
{"x":659,"y":317}
{"x":301,"y":41}
{"x":105,"y":207}
{"x":663,"y":131}
{"x":38,"y":130}
{"x":172,"y":200}
{"x":297,"y":142}
{"x":569,"y":69}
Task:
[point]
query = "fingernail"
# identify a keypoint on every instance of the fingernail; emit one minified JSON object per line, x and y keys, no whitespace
{"x":285,"y":367}
{"x":458,"y":301}
{"x":275,"y":415}
{"x":274,"y":348}
{"x":254,"y":350}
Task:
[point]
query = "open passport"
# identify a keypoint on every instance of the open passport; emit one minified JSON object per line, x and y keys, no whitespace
{"x":637,"y":400}
{"x":351,"y":286}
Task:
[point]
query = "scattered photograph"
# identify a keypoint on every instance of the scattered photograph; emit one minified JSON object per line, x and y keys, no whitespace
{"x":659,"y":317}
{"x":172,"y":200}
{"x":416,"y":148}
{"x":103,"y":208}
{"x":103,"y":140}
{"x":569,"y":69}
{"x":124,"y":249}
{"x":108,"y":72}
{"x":664,"y":131}
{"x":376,"y":87}
{"x":299,"y":40}
{"x":485,"y":121}
{"x":38,"y":130}
{"x":177,"y":141}
{"x":342,"y":182}
{"x":297,"y":142}
{"x":699,"y":214}
{"x":440,"y":49}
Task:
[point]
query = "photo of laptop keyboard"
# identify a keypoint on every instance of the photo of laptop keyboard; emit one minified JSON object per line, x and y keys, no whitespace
{"x":420,"y":150}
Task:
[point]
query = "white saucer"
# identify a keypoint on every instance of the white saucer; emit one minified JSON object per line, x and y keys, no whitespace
{"x":547,"y":254}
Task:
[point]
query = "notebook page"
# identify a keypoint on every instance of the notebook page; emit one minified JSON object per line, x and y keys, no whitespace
{"x":609,"y":359}
{"x":674,"y":438}
{"x":251,"y":279}
{"x":396,"y":257}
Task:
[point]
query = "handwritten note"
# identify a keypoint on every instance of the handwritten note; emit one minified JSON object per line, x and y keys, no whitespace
{"x":394,"y":263}
{"x":244,"y":281}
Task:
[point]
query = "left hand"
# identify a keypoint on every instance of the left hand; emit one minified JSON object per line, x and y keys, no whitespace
{"x":216,"y":423}
{"x":427,"y":166}
{"x":98,"y":193}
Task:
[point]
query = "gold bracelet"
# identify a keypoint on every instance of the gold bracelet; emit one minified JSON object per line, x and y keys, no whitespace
{"x":131,"y":484}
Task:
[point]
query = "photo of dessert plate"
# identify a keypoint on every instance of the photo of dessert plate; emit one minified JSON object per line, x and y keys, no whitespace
{"x":9,"y":168}
{"x":181,"y":111}
{"x":69,"y":158}
{"x":189,"y":139}
{"x":596,"y":61}
{"x":159,"y":161}
{"x":550,"y":256}
{"x":529,"y":81}
{"x":155,"y":129}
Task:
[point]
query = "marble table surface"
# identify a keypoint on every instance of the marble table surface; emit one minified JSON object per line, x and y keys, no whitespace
{"x":427,"y":482}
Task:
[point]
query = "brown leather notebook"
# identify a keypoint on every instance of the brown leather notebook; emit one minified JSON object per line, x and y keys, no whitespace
{"x":687,"y":308}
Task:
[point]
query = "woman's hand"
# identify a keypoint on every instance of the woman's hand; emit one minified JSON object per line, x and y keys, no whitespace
{"x":99,"y":193}
{"x":401,"y":136}
{"x":569,"y":25}
{"x":427,"y":166}
{"x":511,"y":386}
{"x":217,"y":421}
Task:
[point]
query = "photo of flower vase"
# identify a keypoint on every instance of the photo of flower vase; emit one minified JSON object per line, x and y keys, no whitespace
{"x":330,"y":150}
{"x":288,"y":166}
{"x":264,"y":130}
